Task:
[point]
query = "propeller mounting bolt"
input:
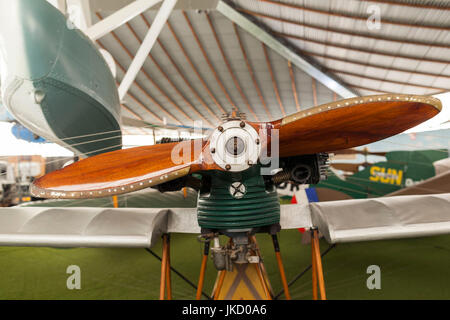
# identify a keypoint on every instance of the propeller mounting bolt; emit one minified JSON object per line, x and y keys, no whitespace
{"x":228,"y":167}
{"x":242,"y":124}
{"x":213,"y":150}
{"x":220,"y":129}
{"x":257,"y":141}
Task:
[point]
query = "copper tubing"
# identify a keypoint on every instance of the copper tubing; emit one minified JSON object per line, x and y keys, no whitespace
{"x":314,"y":268}
{"x":281,"y":267}
{"x":283,"y":276}
{"x":162,"y":285}
{"x":318,"y":261}
{"x":115,"y":202}
{"x":202,"y":271}
{"x":168,"y":277}
{"x":219,"y":284}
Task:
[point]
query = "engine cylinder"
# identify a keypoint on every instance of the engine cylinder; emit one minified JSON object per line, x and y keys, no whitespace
{"x":237,"y":200}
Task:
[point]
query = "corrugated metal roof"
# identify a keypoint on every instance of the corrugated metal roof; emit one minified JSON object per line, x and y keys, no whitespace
{"x":407,"y":54}
{"x":186,"y":79}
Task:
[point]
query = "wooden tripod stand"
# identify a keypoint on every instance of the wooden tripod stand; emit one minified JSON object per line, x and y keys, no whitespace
{"x":246,"y":281}
{"x":255,"y":274}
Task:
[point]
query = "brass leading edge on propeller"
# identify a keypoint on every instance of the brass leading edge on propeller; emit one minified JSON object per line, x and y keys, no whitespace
{"x":237,"y":197}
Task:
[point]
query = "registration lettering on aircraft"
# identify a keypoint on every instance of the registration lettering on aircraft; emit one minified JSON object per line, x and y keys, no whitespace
{"x":389,"y":176}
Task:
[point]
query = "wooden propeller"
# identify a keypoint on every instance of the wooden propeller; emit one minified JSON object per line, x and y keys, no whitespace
{"x":352,"y":122}
{"x":333,"y":126}
{"x":363,"y":152}
{"x":349,"y":167}
{"x":124,"y":171}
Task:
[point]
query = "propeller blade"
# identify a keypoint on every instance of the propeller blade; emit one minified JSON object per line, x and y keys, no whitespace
{"x":349,"y":167}
{"x":352,"y":122}
{"x":121,"y":171}
{"x":364,"y":152}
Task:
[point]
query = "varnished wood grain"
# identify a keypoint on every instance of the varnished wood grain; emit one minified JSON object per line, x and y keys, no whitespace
{"x":352,"y":122}
{"x":121,"y":171}
{"x":326,"y":128}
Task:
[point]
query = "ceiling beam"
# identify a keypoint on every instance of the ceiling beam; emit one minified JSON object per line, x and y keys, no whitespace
{"x":82,"y":18}
{"x":147,"y":44}
{"x":289,"y":54}
{"x":119,"y":17}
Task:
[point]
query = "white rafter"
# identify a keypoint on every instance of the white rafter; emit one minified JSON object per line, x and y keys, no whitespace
{"x":59,"y":4}
{"x":119,"y":17}
{"x":147,"y":44}
{"x":82,"y":14}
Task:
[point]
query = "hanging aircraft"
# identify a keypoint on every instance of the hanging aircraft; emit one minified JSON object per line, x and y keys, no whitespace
{"x":66,"y":93}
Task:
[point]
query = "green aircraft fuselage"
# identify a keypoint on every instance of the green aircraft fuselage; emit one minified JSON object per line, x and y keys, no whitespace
{"x":401,"y":169}
{"x":55,"y":81}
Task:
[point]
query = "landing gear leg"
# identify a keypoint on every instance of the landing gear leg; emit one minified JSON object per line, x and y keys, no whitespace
{"x":165,"y":270}
{"x":317,"y":270}
{"x":202,"y":271}
{"x":276,"y":246}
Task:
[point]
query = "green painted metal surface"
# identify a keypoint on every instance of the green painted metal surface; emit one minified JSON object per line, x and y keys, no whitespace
{"x":402,"y":169}
{"x":54,"y":80}
{"x":218,"y":209}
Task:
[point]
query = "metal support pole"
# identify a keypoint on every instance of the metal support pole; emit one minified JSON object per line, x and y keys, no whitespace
{"x":314,"y":268}
{"x":115,"y":201}
{"x":280,"y":266}
{"x":317,"y":260}
{"x":162,"y":286}
{"x":202,"y":271}
{"x":168,"y":277}
{"x":216,"y":293}
{"x":178,"y":273}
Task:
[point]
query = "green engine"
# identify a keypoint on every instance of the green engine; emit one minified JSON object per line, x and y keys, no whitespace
{"x":235,"y":201}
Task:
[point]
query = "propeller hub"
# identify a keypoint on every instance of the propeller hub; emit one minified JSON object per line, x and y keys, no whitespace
{"x":235,"y":146}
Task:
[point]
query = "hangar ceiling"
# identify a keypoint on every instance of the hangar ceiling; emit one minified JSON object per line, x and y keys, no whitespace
{"x":203,"y":64}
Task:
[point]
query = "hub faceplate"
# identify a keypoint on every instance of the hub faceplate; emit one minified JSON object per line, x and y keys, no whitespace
{"x":235,"y":146}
